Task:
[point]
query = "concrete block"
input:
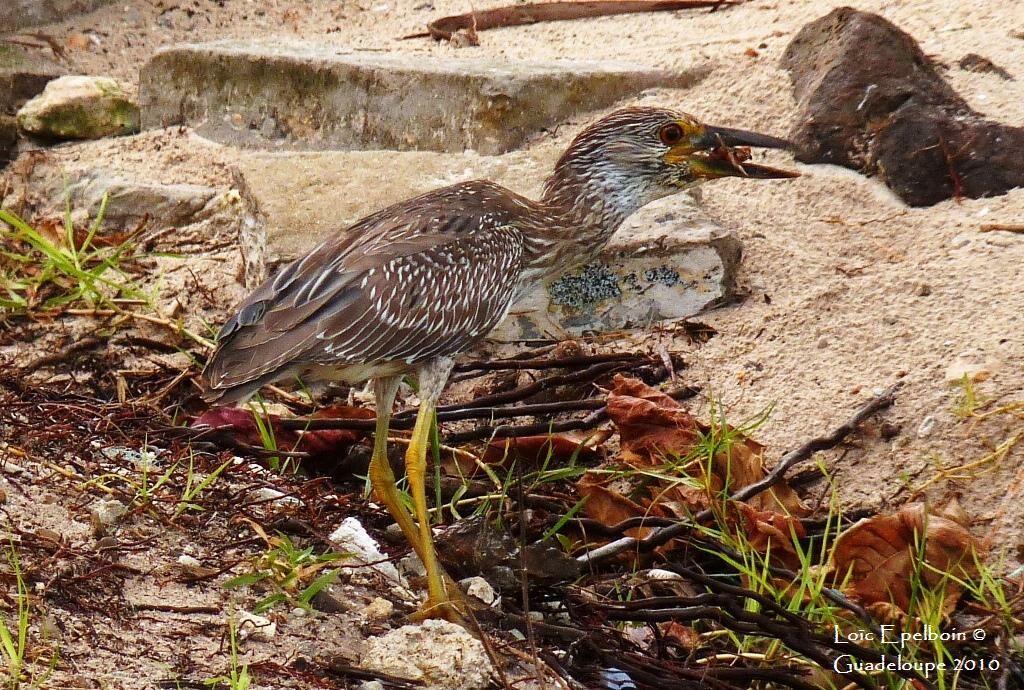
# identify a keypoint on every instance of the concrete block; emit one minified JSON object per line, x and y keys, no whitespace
{"x":296,"y":95}
{"x":23,"y":74}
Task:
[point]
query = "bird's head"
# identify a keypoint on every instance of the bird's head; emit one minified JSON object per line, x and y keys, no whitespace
{"x":636,"y":155}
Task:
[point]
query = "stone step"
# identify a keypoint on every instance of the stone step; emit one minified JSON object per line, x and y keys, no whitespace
{"x":309,"y":96}
{"x":668,"y":261}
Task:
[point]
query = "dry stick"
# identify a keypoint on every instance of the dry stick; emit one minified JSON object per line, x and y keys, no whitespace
{"x":1002,"y":227}
{"x":58,"y":357}
{"x":553,"y":362}
{"x":446,"y":27}
{"x":665,"y":534}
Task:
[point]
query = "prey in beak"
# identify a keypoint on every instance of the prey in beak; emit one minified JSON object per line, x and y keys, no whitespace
{"x":714,"y":152}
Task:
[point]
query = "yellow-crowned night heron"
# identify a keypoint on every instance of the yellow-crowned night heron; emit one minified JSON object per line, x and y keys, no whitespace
{"x":407,"y":288}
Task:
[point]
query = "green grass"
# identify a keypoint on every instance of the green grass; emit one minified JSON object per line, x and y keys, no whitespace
{"x":292,"y":573}
{"x":14,"y":640}
{"x":68,"y":272}
{"x":238,"y":677}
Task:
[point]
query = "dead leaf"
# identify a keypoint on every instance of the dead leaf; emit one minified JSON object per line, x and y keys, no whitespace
{"x":769,"y":532}
{"x":610,"y":507}
{"x":880,"y":553}
{"x":531,"y":452}
{"x":240,"y":428}
{"x":654,"y":427}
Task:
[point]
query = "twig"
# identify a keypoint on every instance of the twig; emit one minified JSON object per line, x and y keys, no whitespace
{"x":1002,"y":227}
{"x":519,"y":15}
{"x":664,"y":534}
{"x":58,"y":357}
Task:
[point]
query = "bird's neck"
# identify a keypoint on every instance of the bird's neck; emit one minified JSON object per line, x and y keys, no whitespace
{"x":587,"y":211}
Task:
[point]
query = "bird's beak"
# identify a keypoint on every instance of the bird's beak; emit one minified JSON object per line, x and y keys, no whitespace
{"x":714,"y":152}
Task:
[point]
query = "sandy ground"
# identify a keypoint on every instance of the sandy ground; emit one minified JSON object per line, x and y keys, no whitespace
{"x":850,"y":291}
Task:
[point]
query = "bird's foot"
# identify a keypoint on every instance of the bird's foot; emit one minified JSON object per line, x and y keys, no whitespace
{"x":450,"y":604}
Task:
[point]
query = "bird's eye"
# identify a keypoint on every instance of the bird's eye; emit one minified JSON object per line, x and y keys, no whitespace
{"x":670,"y":134}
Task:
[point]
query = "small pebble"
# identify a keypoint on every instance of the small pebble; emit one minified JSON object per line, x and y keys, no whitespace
{"x":823,"y":342}
{"x":372,"y":685}
{"x":189,"y":561}
{"x":960,"y":240}
{"x":255,"y":627}
{"x":107,"y":543}
{"x":927,"y":426}
{"x":379,"y":609}
{"x":922,"y":289}
{"x":480,"y":588}
{"x":3,"y":496}
{"x":661,"y":574}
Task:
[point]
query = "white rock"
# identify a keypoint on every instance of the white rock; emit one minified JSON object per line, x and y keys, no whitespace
{"x":371,"y":685}
{"x":253,"y":626}
{"x":189,"y":561}
{"x":278,"y":498}
{"x":437,"y":653}
{"x":352,"y":538}
{"x":107,"y":512}
{"x":927,"y":426}
{"x":661,"y":574}
{"x":479,"y":588}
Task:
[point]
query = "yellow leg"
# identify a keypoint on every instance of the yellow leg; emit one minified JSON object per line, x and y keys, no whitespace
{"x":443,"y":594}
{"x":439,"y":599}
{"x":381,"y":477}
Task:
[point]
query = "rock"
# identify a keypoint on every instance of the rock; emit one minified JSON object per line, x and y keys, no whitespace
{"x":972,"y":62}
{"x":24,"y":74}
{"x":352,"y":538}
{"x":439,"y":654}
{"x":927,"y":426}
{"x":15,"y":14}
{"x":303,"y":95}
{"x":105,"y":513}
{"x":278,"y":498}
{"x":378,"y":610}
{"x":252,"y":626}
{"x":480,"y":588}
{"x":650,"y":271}
{"x":869,"y":99}
{"x":129,"y":202}
{"x":80,"y":107}
{"x":371,"y":685}
{"x":290,"y":190}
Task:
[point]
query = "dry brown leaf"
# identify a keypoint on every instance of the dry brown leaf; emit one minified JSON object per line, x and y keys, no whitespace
{"x":610,"y":507}
{"x":530,"y":452}
{"x":879,"y":553}
{"x":769,"y":532}
{"x":653,"y":427}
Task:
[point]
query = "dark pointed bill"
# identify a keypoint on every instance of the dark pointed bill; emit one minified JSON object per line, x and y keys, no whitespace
{"x":725,"y":136}
{"x":728,"y":154}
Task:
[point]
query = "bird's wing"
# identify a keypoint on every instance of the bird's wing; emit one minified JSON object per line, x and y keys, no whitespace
{"x":396,"y":286}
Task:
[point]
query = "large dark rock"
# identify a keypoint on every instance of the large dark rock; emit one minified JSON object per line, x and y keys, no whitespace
{"x":871,"y":100}
{"x":23,"y":74}
{"x":8,"y":139}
